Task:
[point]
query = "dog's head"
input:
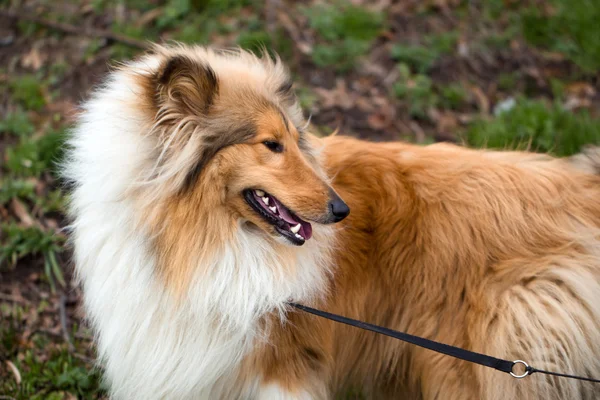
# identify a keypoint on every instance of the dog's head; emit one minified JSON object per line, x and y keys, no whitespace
{"x":230,"y":132}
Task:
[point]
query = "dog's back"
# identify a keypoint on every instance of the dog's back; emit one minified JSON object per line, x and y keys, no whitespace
{"x":497,"y":252}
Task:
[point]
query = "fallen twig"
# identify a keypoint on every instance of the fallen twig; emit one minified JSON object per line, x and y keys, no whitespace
{"x":75,"y":30}
{"x":15,"y":371}
{"x":418,"y":131}
{"x":77,"y":335}
{"x":12,"y":299}
{"x":62,"y":308}
{"x":271,"y":8}
{"x":288,"y":25}
{"x":84,"y":358}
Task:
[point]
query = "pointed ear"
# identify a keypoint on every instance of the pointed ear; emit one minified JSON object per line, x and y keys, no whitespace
{"x":186,"y":84}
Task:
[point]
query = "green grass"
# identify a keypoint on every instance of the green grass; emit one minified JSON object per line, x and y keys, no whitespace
{"x":421,"y":58}
{"x":48,"y":371}
{"x":453,"y":96}
{"x":194,"y":22}
{"x":418,"y":92}
{"x":177,"y":11}
{"x":28,"y":90}
{"x":507,"y":81}
{"x":345,"y":31}
{"x":17,"y":123}
{"x":537,"y":126}
{"x":572,"y":29}
{"x":306,"y":96}
{"x":19,"y":242}
{"x":16,"y":188}
{"x":25,"y":162}
{"x":32,"y":156}
{"x":421,"y":94}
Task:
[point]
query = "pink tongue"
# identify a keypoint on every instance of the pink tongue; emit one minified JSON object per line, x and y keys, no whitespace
{"x":305,"y":230}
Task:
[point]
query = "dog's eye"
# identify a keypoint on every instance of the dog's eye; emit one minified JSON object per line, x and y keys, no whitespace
{"x":274,"y":146}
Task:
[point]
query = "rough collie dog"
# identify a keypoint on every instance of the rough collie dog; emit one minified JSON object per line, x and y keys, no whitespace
{"x":202,"y":206}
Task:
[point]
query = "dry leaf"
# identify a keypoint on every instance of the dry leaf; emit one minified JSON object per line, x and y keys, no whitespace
{"x":418,"y":131}
{"x":70,"y":396}
{"x":149,"y":16}
{"x":581,"y":89}
{"x":32,"y":60}
{"x":66,"y":108}
{"x":447,"y":124}
{"x":574,"y":103}
{"x":14,"y":371}
{"x":336,"y":97}
{"x":463,"y":48}
{"x":481,"y":99}
{"x":378,"y":121}
{"x":20,"y":211}
{"x":364,"y":104}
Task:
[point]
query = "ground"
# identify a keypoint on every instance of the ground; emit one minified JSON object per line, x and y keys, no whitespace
{"x":496,"y":73}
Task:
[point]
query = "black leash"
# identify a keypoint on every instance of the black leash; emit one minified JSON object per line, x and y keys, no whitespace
{"x":456,"y":352}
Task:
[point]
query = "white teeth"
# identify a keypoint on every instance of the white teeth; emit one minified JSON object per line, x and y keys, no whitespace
{"x":259,"y":193}
{"x":296,"y":228}
{"x":299,"y":237}
{"x":265,"y":200}
{"x":274,"y":209}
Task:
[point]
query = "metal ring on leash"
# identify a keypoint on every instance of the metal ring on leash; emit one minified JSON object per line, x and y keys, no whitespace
{"x":524,"y":374}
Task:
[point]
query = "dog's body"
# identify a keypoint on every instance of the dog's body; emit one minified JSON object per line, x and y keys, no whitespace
{"x":186,"y":274}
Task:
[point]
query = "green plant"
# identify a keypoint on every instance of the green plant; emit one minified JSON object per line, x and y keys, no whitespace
{"x":135,"y":31}
{"x":57,"y":375}
{"x":342,"y":56}
{"x":92,"y":48}
{"x":121,"y":51}
{"x":558,"y":88}
{"x":306,"y":97}
{"x":255,"y":38}
{"x":28,"y":90}
{"x":56,"y":72}
{"x":254,"y":41}
{"x":572,"y":29}
{"x":198,"y":30}
{"x":18,"y":242}
{"x":507,"y":81}
{"x":177,"y":10}
{"x":54,"y":201}
{"x":346,"y":32}
{"x":11,"y":188}
{"x":419,"y":58}
{"x":174,"y":10}
{"x":422,"y":57}
{"x":17,"y":123}
{"x":418,"y":91}
{"x":492,"y":9}
{"x":421,"y":94}
{"x":453,"y":96}
{"x":502,"y":39}
{"x":32,"y":156}
{"x":538,"y":126}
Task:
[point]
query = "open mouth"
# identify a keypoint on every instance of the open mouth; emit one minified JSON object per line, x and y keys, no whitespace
{"x":288,"y":224}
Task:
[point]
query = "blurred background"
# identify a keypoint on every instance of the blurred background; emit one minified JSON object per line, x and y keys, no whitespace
{"x":495,"y":73}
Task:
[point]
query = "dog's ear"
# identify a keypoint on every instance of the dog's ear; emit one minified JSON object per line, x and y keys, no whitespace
{"x":187,"y":85}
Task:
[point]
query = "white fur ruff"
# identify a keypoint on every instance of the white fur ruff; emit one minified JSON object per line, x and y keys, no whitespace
{"x":150,"y":346}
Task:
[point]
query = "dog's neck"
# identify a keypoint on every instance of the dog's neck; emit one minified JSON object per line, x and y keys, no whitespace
{"x":250,"y":276}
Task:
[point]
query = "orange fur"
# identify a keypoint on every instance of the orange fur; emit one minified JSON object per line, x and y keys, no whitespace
{"x":470,"y":248}
{"x":495,"y":252}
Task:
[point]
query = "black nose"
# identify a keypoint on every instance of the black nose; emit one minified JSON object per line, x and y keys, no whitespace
{"x":339,"y":209}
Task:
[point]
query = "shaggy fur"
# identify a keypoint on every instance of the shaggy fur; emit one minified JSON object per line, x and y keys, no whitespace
{"x":186,"y":286}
